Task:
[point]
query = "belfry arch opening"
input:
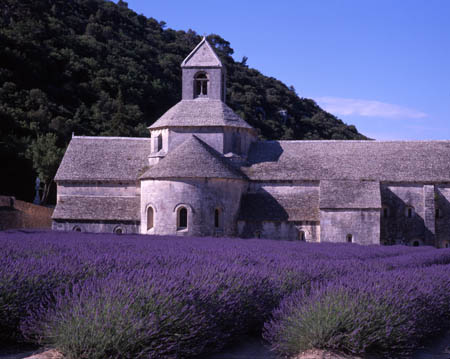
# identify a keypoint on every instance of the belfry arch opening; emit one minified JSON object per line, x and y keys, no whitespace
{"x":201,"y":84}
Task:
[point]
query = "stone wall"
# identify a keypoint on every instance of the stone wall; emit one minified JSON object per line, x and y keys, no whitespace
{"x":19,"y":214}
{"x":280,"y":230}
{"x":200,"y":197}
{"x":442,"y":223}
{"x":96,"y":226}
{"x":363,"y":225}
{"x":400,"y":228}
{"x":222,"y":139}
{"x":238,"y":140}
{"x":213,"y":136}
{"x":296,"y":211}
{"x":216,"y":83}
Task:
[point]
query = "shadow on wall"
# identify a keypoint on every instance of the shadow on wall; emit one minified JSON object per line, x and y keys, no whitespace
{"x":442,"y":218}
{"x":20,"y":214}
{"x":255,"y":209}
{"x":265,"y":151}
{"x":400,"y":224}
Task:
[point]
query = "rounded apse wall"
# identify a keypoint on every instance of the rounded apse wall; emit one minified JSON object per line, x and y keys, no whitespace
{"x":194,"y":207}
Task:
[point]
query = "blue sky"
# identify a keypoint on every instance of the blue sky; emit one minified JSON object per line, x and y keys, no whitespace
{"x":382,"y":65}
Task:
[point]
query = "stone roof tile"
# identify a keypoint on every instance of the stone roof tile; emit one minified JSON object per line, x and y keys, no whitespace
{"x":395,"y":161}
{"x":97,"y":208}
{"x":193,"y":159}
{"x":350,"y":194}
{"x":103,"y":159}
{"x":200,"y":112}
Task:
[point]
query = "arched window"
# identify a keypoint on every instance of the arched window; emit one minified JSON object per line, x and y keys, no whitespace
{"x":301,"y":235}
{"x":76,"y":229}
{"x":182,"y":218}
{"x":386,"y":212}
{"x":416,"y":243}
{"x":149,"y":218}
{"x":217,"y":219}
{"x":409,"y":212}
{"x":201,"y":85}
{"x":349,"y":238}
{"x":118,"y":230}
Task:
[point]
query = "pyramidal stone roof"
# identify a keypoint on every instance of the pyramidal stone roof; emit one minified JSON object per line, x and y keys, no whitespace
{"x":193,"y":159}
{"x":103,"y":159}
{"x":202,"y":56}
{"x":384,"y":161}
{"x":200,"y":112}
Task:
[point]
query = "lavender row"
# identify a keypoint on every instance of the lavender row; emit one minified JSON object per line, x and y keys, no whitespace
{"x":143,"y":297}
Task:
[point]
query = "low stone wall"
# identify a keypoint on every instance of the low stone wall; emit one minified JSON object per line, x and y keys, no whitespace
{"x":19,"y":214}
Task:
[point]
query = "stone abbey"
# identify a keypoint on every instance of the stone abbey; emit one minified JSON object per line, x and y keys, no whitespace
{"x":203,"y":172}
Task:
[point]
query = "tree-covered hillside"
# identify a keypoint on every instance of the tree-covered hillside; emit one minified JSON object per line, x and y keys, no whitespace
{"x":93,"y":67}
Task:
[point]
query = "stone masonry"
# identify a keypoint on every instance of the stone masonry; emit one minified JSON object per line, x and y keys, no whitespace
{"x":203,"y":172}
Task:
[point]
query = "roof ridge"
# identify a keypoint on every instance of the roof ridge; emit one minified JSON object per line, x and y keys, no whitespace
{"x":112,"y":138}
{"x":358,"y":141}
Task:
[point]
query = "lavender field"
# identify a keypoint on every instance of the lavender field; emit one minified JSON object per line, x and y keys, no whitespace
{"x":108,"y":296}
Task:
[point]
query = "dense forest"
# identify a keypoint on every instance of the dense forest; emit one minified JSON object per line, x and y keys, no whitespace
{"x":93,"y":67}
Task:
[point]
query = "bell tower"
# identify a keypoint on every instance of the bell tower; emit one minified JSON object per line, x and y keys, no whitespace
{"x":203,"y":74}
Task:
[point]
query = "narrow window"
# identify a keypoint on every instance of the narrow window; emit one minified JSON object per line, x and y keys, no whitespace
{"x":182,"y":218}
{"x":416,"y":244}
{"x":216,"y":218}
{"x":349,"y":238}
{"x":257,"y":234}
{"x":446,"y":245}
{"x":159,"y":143}
{"x":409,"y":211}
{"x":385,"y":212}
{"x":149,"y":218}
{"x":301,"y":235}
{"x":201,"y":85}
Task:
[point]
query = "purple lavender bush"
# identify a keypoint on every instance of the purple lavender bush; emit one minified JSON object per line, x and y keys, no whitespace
{"x":96,"y":295}
{"x":377,"y":312}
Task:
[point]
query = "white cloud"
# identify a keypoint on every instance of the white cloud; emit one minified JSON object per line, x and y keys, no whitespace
{"x":369,"y":108}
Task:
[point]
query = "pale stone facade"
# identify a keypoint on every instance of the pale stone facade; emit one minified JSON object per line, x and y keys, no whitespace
{"x":203,"y":172}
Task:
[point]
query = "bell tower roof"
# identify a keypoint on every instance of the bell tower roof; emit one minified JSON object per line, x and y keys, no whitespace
{"x":202,"y":56}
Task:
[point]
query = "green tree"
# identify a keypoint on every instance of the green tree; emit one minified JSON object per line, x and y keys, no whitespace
{"x":46,"y":157}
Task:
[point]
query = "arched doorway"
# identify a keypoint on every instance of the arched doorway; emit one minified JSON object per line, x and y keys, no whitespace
{"x":301,"y":235}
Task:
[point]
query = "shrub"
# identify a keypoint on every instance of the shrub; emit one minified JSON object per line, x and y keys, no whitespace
{"x":379,"y":312}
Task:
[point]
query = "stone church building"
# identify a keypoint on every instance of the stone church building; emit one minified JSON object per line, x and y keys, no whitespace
{"x":203,"y":172}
